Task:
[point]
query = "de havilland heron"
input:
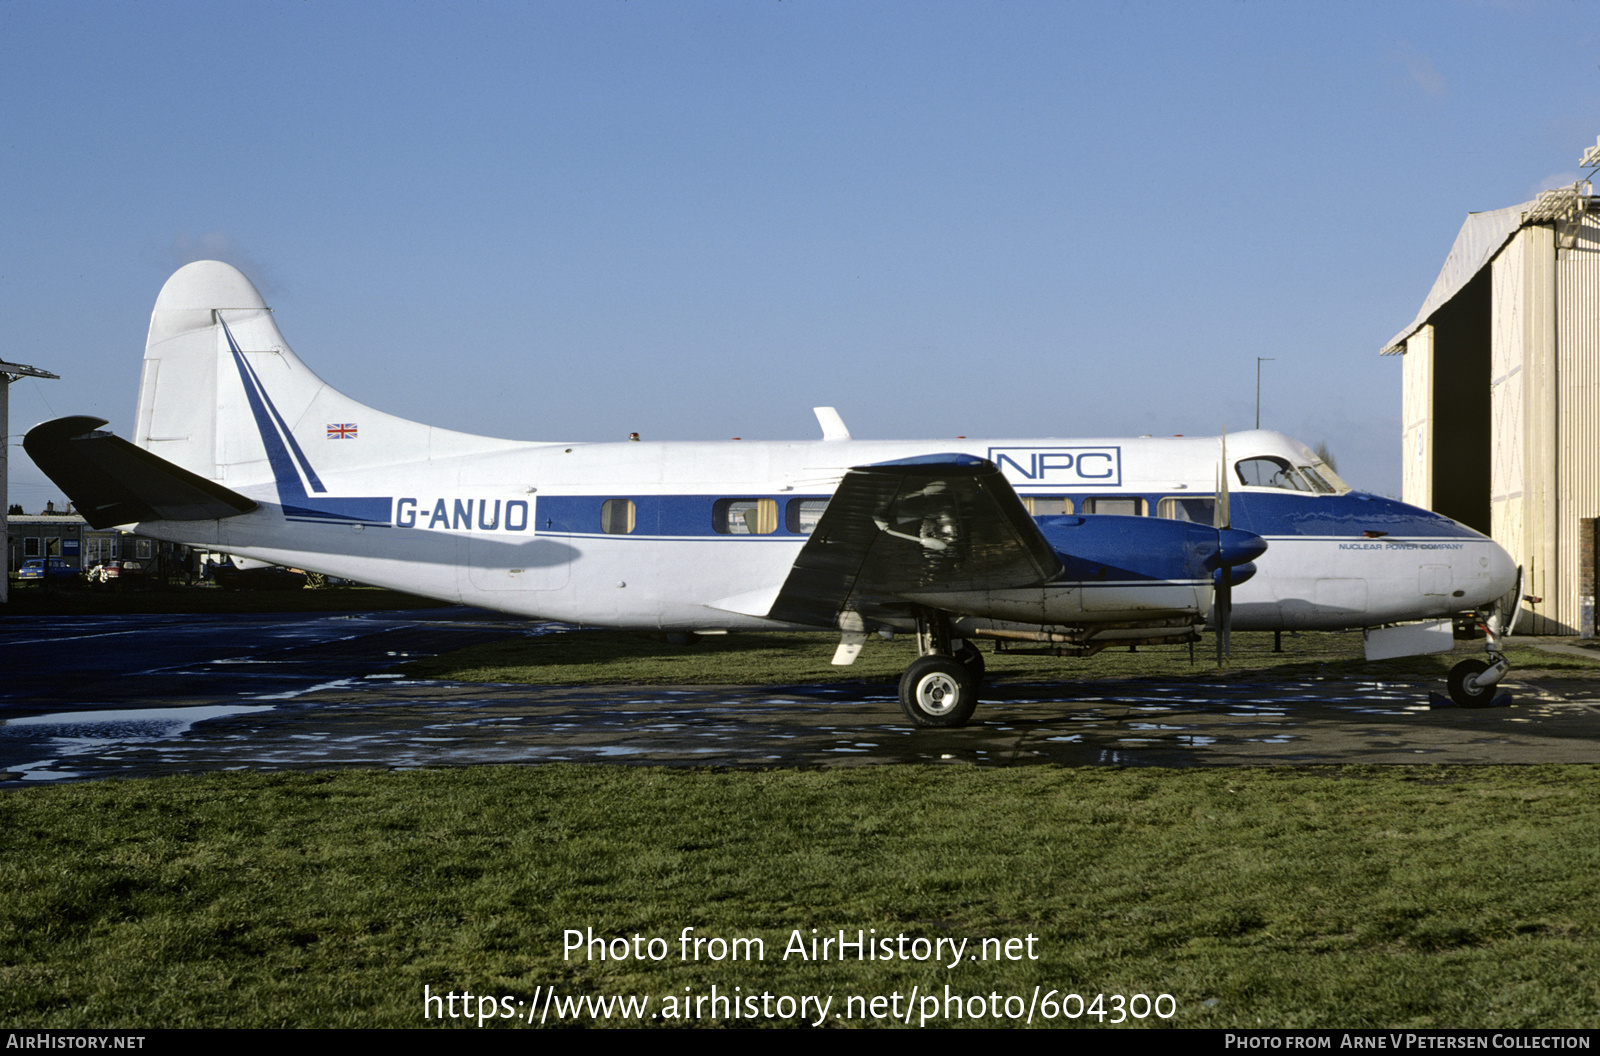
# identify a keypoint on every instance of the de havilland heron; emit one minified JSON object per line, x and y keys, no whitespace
{"x":1064,"y":546}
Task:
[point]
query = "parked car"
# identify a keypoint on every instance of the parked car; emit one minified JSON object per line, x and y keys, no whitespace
{"x":33,"y":570}
{"x":115,"y":571}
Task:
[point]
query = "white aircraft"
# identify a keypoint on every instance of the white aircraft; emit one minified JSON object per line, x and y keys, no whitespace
{"x":1059,"y":546}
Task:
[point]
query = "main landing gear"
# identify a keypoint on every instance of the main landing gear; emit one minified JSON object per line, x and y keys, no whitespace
{"x":940,"y":688}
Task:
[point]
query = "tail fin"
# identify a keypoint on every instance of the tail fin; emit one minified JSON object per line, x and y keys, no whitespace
{"x":223,"y":396}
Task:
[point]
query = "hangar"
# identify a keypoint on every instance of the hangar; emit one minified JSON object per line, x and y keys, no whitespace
{"x":1501,"y":395}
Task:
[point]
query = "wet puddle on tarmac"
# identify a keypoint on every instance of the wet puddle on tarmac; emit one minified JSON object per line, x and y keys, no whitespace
{"x":158,"y":695}
{"x":392,"y":722}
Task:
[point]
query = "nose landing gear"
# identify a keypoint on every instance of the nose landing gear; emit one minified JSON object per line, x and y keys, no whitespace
{"x":1472,"y":682}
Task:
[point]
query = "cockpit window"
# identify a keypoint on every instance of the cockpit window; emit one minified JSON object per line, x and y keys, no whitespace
{"x":1270,"y":472}
{"x":1267,"y":472}
{"x":1326,"y":478}
{"x":1313,"y":478}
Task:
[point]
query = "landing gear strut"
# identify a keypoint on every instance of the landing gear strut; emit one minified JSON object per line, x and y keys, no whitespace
{"x":940,"y":688}
{"x":968,"y":656}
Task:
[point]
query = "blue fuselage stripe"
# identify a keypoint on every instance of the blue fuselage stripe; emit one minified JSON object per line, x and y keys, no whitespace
{"x":297,"y":505}
{"x":266,"y":413}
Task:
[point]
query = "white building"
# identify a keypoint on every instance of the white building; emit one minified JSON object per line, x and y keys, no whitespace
{"x":1501,"y":407}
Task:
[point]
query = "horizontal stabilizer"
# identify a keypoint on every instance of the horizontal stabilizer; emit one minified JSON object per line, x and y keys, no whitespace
{"x":110,"y":481}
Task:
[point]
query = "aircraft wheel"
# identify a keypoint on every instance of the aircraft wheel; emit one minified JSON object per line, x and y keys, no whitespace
{"x":1476,"y":697}
{"x":969,"y":657}
{"x":938,"y":691}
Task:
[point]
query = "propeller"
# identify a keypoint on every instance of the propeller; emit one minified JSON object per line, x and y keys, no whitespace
{"x":1232,"y":563}
{"x":1222,"y":601}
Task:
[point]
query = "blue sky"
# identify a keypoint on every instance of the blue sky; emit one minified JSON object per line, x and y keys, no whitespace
{"x":569,"y":221}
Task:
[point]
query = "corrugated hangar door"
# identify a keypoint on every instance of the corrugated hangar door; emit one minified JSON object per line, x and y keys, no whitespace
{"x":1507,"y":376}
{"x":1416,"y":415}
{"x":1524,"y":457}
{"x":1577,"y":341}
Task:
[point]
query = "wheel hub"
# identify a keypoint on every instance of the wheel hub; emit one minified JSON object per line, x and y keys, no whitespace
{"x":938,"y":693}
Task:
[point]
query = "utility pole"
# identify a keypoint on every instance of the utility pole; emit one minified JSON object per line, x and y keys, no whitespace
{"x":1260,"y":360}
{"x":10,"y":372}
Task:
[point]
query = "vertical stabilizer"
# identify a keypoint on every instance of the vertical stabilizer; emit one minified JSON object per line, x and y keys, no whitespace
{"x":223,"y":396}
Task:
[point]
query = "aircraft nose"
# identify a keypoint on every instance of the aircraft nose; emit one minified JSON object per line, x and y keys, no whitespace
{"x":1502,"y":570}
{"x":1491,"y":573}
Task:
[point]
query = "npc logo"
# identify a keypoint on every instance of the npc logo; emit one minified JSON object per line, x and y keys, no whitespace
{"x":1077,"y":467}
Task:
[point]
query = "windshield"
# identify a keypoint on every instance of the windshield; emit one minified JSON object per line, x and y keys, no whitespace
{"x":1268,"y":471}
{"x":1327,"y":477}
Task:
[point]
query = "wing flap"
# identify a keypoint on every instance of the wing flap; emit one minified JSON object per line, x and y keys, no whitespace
{"x":110,"y":481}
{"x":930,"y":524}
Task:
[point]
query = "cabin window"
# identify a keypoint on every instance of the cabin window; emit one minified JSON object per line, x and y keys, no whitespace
{"x":30,"y":546}
{"x":1123,"y":507}
{"x":143,"y":549}
{"x":616,"y":516}
{"x":745,"y":516}
{"x":1265,"y":472}
{"x":1185,"y":508}
{"x":801,"y":515}
{"x":1047,"y":505}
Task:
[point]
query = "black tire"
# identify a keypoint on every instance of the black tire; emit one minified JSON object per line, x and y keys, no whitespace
{"x":1478,"y":697}
{"x":970,"y":658}
{"x":938,"y":691}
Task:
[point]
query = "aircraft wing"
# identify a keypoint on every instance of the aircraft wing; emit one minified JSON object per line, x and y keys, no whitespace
{"x":934,"y":523}
{"x":110,"y":481}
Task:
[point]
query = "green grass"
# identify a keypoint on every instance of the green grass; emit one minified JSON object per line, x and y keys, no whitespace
{"x":1357,"y":897}
{"x":619,"y":658}
{"x":1395,"y":897}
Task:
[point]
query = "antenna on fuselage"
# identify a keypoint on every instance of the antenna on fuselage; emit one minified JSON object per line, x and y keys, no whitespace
{"x":833,"y":427}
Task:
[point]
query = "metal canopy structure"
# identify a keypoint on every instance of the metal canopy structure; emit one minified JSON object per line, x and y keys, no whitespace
{"x":13,"y":371}
{"x":9,"y":372}
{"x":1481,"y":238}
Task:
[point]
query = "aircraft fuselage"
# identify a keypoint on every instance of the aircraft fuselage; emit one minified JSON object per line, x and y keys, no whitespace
{"x":668,"y":536}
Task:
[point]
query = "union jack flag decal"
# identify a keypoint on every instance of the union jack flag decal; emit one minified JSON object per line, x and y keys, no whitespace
{"x":342,"y":431}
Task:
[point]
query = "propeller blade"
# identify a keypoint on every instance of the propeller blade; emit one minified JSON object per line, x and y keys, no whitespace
{"x":1222,"y":592}
{"x":1222,"y":517}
